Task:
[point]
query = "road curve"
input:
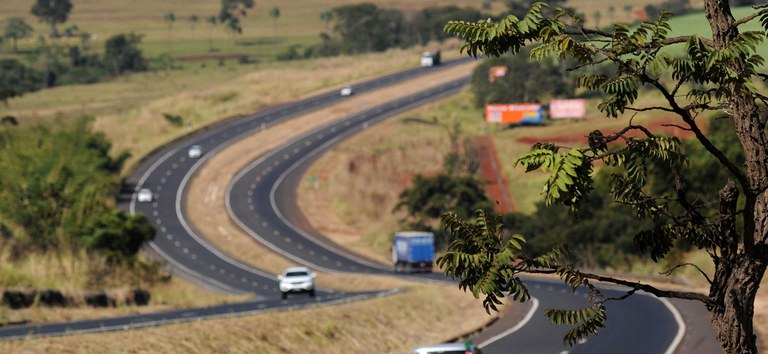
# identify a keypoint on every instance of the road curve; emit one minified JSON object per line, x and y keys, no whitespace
{"x":167,"y":171}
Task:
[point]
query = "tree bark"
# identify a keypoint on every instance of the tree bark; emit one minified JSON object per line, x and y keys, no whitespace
{"x":739,"y":270}
{"x":738,"y":280}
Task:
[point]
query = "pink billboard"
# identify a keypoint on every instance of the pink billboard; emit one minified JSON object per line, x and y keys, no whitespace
{"x":574,"y":108}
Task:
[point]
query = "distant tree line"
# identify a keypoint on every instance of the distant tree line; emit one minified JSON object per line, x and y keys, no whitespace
{"x":366,"y":28}
{"x":52,"y":64}
{"x":525,"y":81}
{"x":56,"y":65}
{"x":57,"y":188}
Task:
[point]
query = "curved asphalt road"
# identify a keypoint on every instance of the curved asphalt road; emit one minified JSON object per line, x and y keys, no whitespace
{"x":639,"y":324}
{"x":166,"y":172}
{"x":279,"y":225}
{"x":261,"y":198}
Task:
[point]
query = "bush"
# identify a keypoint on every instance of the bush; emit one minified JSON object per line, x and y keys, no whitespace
{"x":175,"y":119}
{"x":290,"y":53}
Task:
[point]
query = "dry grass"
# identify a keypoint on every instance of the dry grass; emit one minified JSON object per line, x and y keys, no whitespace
{"x":76,"y":272}
{"x":393,"y":324}
{"x":130,"y":110}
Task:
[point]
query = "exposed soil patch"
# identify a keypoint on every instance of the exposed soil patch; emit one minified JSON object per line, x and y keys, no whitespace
{"x":659,"y":127}
{"x":492,"y":173}
{"x":198,"y":58}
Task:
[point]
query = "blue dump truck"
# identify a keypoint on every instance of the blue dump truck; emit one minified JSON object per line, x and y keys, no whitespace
{"x":413,"y":251}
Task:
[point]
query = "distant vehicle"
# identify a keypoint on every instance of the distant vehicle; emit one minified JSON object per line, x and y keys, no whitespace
{"x":430,"y":59}
{"x":144,"y":196}
{"x":413,"y":251}
{"x":448,"y":348}
{"x":297,"y":280}
{"x":346,"y":91}
{"x":195,"y":151}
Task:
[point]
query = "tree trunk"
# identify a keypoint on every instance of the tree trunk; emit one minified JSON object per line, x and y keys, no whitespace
{"x":737,"y":283}
{"x":739,"y":271}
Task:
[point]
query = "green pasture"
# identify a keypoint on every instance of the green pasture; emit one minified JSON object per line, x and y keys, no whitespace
{"x":262,"y":37}
{"x":695,"y":22}
{"x":299,"y":24}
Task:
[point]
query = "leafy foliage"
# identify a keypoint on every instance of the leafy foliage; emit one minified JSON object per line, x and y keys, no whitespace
{"x":52,"y":12}
{"x":231,"y":12}
{"x":525,"y":81}
{"x":428,"y":23}
{"x":56,"y":191}
{"x":122,"y":53}
{"x":486,"y":261}
{"x":17,"y":78}
{"x":482,"y":260}
{"x":365,"y":28}
{"x":650,"y":173}
{"x":16,"y":28}
{"x":426,"y":200}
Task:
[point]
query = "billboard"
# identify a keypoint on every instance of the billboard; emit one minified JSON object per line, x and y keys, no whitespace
{"x":512,"y":113}
{"x":496,"y":72}
{"x":576,"y":108}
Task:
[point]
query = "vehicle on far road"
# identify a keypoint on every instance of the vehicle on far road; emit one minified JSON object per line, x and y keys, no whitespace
{"x":144,"y":196}
{"x":195,"y":151}
{"x":297,"y":280}
{"x":430,"y":59}
{"x":346,"y":91}
{"x":448,"y":348}
{"x":413,"y":251}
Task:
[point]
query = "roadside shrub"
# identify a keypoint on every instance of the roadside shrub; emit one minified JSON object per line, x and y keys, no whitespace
{"x":290,"y":53}
{"x":174,"y":119}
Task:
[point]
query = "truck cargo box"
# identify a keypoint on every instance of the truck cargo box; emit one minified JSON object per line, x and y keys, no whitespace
{"x":413,"y":251}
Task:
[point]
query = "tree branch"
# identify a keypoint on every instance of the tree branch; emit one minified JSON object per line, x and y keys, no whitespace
{"x":751,"y":17}
{"x":686,"y":295}
{"x":676,"y":126}
{"x":652,"y":108}
{"x":669,"y":271}
{"x":700,"y":136}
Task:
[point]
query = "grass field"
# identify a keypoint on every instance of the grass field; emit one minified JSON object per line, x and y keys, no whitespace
{"x":299,"y":23}
{"x":262,"y":37}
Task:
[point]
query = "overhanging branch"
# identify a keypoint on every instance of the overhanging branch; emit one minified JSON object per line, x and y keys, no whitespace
{"x":686,"y":295}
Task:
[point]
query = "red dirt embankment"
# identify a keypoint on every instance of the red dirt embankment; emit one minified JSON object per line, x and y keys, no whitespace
{"x":495,"y":183}
{"x":660,"y":127}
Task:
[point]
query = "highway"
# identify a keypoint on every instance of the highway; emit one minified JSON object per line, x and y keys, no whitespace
{"x":261,"y":200}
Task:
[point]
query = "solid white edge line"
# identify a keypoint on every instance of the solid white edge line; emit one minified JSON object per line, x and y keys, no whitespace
{"x":208,"y":317}
{"x":146,"y":174}
{"x":273,"y":202}
{"x":681,"y":328}
{"x":180,"y":216}
{"x":523,"y":322}
{"x":207,"y":282}
{"x":254,"y":164}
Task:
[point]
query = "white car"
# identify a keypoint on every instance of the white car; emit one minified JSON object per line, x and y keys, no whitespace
{"x":195,"y":151}
{"x":346,"y":91}
{"x":297,"y":280}
{"x":448,"y":348}
{"x":144,"y":196}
